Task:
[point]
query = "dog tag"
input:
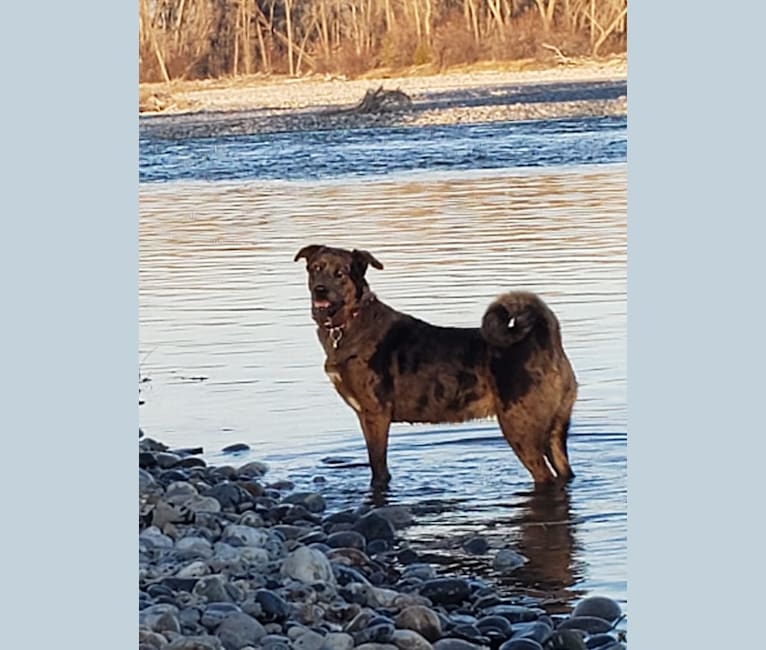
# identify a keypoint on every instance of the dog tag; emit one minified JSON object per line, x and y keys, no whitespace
{"x":511,"y":323}
{"x":335,"y":335}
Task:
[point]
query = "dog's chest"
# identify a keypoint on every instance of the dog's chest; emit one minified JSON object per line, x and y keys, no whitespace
{"x":338,"y":377}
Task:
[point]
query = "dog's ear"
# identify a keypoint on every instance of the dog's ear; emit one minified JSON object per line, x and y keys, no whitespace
{"x":307,"y":251}
{"x":362,"y":258}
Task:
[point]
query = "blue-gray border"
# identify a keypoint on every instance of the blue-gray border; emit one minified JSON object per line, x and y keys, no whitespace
{"x":694,"y":350}
{"x":70,"y":325}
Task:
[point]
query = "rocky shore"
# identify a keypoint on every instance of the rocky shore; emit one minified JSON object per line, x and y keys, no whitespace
{"x":229,"y":560}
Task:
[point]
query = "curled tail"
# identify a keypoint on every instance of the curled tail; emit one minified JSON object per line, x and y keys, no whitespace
{"x":514,"y":316}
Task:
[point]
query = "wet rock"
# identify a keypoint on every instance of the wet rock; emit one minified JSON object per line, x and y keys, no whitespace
{"x":477,"y":545}
{"x":254,"y":468}
{"x":420,"y":571}
{"x":507,"y":560}
{"x":589,"y":624}
{"x":165,"y":459}
{"x":312,"y":501}
{"x":521,"y":644}
{"x":601,"y":642}
{"x":347,"y":539}
{"x":374,"y":526}
{"x":273,"y":607}
{"x":495,"y":626}
{"x":536,"y":630}
{"x":600,"y":607}
{"x":567,"y":640}
{"x":308,"y":565}
{"x":410,"y":640}
{"x":228,"y":494}
{"x":235,"y":448}
{"x":399,"y":516}
{"x":515,"y":613}
{"x":146,"y":460}
{"x":378,"y":546}
{"x":420,"y":619}
{"x":446,"y":591}
{"x":239,"y":629}
{"x":408,"y":556}
{"x":377,"y":646}
{"x":188,"y":462}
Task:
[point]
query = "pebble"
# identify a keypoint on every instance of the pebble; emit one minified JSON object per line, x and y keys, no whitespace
{"x":507,"y":560}
{"x":226,"y":564}
{"x":236,"y":447}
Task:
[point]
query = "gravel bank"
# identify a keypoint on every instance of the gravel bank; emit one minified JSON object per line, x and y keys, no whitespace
{"x":253,"y":105}
{"x":231,"y":561}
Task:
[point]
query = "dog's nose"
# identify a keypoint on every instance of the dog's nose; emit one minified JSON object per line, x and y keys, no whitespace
{"x":320,"y":291}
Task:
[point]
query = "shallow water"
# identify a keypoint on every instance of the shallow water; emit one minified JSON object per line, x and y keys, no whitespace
{"x":231,"y":353}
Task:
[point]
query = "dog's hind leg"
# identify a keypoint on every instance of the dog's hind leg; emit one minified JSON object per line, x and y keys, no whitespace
{"x":527,"y":442}
{"x":375,"y":428}
{"x":557,"y":449}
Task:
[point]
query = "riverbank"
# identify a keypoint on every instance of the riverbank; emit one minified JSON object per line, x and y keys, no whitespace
{"x":229,"y":559}
{"x":246,"y":106}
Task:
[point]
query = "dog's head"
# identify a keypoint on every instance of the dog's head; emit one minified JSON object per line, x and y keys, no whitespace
{"x":336,"y":281}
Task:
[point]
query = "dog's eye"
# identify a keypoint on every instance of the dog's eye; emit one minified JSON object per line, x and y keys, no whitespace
{"x":316,"y":268}
{"x":340,"y":273}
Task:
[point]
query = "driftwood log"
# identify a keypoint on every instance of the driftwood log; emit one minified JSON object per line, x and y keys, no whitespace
{"x":381,"y":101}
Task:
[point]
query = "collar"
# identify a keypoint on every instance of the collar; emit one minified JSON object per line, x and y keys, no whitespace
{"x":335,"y":332}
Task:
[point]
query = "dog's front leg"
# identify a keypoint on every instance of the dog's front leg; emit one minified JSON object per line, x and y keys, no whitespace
{"x":375,"y":428}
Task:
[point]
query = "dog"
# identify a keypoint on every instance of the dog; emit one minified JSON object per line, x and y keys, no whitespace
{"x":392,"y":367}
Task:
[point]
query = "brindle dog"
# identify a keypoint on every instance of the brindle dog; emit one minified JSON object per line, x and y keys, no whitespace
{"x":391,"y":367}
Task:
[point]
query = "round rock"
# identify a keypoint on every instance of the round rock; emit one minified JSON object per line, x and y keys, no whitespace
{"x":446,"y":591}
{"x":477,"y":545}
{"x":507,"y":560}
{"x":374,"y":526}
{"x":521,"y":644}
{"x":274,"y":608}
{"x":600,"y":607}
{"x":347,"y":539}
{"x":308,"y":565}
{"x":420,"y":619}
{"x":410,"y":640}
{"x":238,"y":630}
{"x":451,"y":643}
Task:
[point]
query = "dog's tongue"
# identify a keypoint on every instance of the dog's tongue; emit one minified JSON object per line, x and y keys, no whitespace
{"x":321,"y":304}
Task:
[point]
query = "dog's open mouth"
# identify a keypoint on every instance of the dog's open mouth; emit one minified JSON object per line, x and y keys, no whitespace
{"x":322,"y":309}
